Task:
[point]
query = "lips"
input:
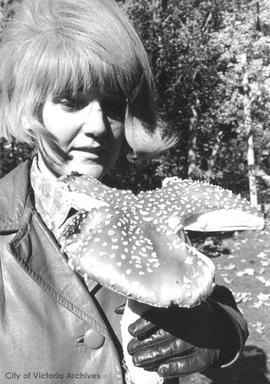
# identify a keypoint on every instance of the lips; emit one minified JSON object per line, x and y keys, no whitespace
{"x":92,"y":152}
{"x":96,"y":150}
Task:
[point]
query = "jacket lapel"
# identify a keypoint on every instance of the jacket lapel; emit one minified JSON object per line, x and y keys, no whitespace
{"x":14,"y":191}
{"x":38,"y":253}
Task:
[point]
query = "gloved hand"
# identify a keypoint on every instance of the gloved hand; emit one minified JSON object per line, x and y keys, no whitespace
{"x":179,"y":341}
{"x":170,"y":356}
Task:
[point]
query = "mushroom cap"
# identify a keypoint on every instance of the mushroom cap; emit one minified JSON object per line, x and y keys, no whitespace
{"x":131,"y":244}
{"x":204,"y":207}
{"x":178,"y":204}
{"x":135,"y":260}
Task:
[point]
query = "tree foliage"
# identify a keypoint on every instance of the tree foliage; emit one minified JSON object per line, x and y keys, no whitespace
{"x":11,"y":153}
{"x":197,"y":58}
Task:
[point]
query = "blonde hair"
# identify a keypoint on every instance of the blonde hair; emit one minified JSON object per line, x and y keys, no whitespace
{"x":57,"y":46}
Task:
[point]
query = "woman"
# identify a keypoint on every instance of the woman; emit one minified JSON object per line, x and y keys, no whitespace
{"x":75,"y":82}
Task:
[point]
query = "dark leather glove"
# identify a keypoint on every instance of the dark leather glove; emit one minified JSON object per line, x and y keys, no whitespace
{"x":170,"y":356}
{"x":179,"y":341}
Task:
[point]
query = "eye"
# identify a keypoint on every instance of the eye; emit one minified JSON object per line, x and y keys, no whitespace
{"x":70,"y":103}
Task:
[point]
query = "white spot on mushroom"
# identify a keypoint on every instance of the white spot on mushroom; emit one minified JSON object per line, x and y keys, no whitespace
{"x":189,"y":260}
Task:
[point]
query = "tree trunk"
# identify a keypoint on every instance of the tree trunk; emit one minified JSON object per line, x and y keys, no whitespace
{"x":192,"y":145}
{"x":156,"y":7}
{"x":213,"y":157}
{"x":248,"y":128}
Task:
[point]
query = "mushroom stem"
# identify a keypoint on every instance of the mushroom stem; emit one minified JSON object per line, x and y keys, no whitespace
{"x":135,"y":375}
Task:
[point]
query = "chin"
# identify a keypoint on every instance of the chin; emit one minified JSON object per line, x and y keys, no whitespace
{"x":93,"y":170}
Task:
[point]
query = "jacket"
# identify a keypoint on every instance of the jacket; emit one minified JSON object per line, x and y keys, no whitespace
{"x":52,"y":330}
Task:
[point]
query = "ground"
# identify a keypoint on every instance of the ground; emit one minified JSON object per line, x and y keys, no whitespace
{"x":242,"y":263}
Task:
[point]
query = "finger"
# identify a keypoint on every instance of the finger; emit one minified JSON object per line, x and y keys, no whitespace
{"x":141,"y":328}
{"x":173,"y":320}
{"x":156,"y":338}
{"x":197,"y":361}
{"x":162,"y":352}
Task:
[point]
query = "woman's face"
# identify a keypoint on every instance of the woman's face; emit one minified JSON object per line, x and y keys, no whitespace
{"x":88,"y":129}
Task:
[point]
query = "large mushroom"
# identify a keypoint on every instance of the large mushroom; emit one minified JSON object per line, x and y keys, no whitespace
{"x":132,"y":244}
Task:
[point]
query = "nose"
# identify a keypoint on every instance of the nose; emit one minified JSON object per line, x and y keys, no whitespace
{"x":93,"y":120}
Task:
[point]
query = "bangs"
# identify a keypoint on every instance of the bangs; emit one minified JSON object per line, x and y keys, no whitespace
{"x":63,"y":68}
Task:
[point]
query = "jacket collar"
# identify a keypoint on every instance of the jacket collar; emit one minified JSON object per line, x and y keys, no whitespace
{"x":15,"y":197}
